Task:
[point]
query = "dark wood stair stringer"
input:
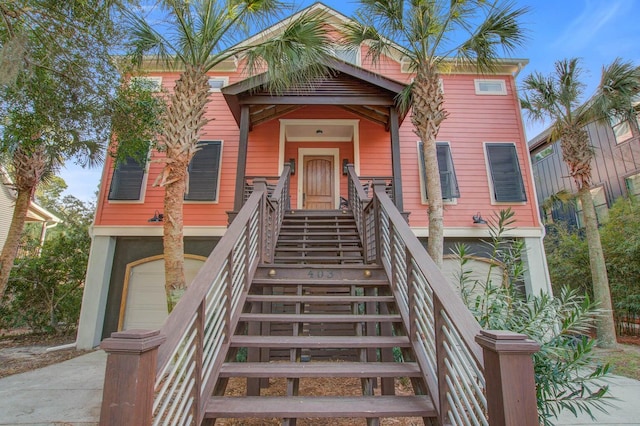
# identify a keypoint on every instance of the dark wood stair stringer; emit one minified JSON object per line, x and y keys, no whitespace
{"x":310,"y":317}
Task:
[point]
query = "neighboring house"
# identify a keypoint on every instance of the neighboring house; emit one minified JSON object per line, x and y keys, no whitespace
{"x":350,"y":117}
{"x":615,"y":171}
{"x":35,"y":213}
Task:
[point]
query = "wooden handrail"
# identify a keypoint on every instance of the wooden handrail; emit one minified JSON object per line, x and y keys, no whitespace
{"x":449,"y":344}
{"x":173,"y":379}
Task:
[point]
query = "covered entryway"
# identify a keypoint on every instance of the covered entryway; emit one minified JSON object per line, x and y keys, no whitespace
{"x":358,"y":91}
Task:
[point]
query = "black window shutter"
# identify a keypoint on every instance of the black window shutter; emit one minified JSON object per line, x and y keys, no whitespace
{"x":505,"y":172}
{"x":448,"y":181}
{"x":126,"y":183}
{"x":204,"y":171}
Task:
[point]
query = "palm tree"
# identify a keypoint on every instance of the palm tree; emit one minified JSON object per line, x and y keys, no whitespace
{"x":196,"y":37}
{"x":558,"y":98}
{"x":431,"y":34}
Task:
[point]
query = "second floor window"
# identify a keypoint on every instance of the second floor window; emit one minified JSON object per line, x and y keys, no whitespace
{"x":504,"y":169}
{"x":204,"y":172}
{"x":448,"y":181}
{"x":126,"y":181}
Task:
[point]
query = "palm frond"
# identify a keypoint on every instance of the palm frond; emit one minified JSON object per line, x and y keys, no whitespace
{"x":292,"y":59}
{"x":499,"y":32}
{"x":144,"y":40}
{"x":616,"y":94}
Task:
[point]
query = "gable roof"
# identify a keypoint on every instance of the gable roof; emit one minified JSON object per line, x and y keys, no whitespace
{"x":36,"y":213}
{"x":356,"y":89}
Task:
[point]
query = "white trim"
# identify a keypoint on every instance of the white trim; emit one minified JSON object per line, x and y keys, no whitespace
{"x":217,"y":199}
{"x":284,"y":122}
{"x":490,"y":179}
{"x":335,"y":152}
{"x":423,"y":199}
{"x":224,"y":79}
{"x":143,"y":184}
{"x":479,"y":231}
{"x":156,"y":80}
{"x":478,"y":81}
{"x":155,"y":230}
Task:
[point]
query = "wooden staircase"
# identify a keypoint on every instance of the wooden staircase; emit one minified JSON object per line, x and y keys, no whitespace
{"x":318,"y":237}
{"x":319,"y":312}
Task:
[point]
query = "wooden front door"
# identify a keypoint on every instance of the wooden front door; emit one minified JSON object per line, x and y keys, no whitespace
{"x":318,"y":183}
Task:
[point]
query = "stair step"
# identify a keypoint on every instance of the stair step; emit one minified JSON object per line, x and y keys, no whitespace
{"x":319,"y":242}
{"x":320,"y":369}
{"x":317,"y":258}
{"x":330,"y":219}
{"x":339,"y":298}
{"x":319,"y":249}
{"x":288,"y":342}
{"x":319,"y":231}
{"x":319,"y":406}
{"x":315,"y":318}
{"x":320,"y":283}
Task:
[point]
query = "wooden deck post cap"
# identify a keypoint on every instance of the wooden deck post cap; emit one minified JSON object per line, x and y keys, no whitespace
{"x":506,"y":341}
{"x":133,"y":341}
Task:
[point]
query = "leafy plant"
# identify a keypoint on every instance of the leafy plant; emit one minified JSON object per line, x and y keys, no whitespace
{"x":566,"y":370}
{"x":568,"y":259}
{"x":45,"y":289}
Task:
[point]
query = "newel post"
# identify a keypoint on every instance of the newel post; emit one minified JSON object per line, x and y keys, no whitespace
{"x":510,"y":384}
{"x":130,"y":375}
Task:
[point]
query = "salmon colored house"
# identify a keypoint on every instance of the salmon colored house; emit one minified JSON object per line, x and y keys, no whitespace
{"x":348,"y":118}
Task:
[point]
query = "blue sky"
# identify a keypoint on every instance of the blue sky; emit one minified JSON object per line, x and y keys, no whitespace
{"x":597,"y":31}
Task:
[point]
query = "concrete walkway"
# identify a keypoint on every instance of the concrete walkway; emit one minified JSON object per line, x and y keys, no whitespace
{"x":69,"y":393}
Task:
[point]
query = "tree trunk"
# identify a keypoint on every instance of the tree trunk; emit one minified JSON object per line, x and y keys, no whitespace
{"x":11,"y":245}
{"x":427,"y":115}
{"x":605,"y":326}
{"x":182,"y":124}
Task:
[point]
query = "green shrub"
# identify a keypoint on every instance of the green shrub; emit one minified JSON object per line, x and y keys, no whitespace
{"x":45,"y":291}
{"x":568,"y":260}
{"x":566,"y":371}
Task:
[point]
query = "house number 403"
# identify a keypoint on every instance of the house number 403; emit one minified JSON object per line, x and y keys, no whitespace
{"x":319,"y":274}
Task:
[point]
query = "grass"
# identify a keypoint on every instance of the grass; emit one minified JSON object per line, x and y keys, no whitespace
{"x":624,"y":362}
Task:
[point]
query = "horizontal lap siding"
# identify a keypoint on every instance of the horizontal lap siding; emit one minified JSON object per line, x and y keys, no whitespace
{"x":472,"y":121}
{"x":221,"y":126}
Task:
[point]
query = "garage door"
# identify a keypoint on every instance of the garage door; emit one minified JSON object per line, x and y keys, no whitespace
{"x":144,"y":301}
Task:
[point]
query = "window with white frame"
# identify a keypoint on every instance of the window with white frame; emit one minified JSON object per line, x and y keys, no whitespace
{"x":633,"y":185}
{"x":490,"y":87}
{"x":621,"y":130}
{"x":448,"y":180}
{"x":599,"y":202}
{"x":505,"y":175}
{"x":204,"y":172}
{"x":543,"y":153}
{"x":152,"y":83}
{"x":126,"y":181}
{"x":217,"y":83}
{"x":349,"y":55}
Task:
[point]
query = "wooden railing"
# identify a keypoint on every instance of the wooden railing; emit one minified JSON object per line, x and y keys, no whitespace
{"x":165,"y":377}
{"x":474,"y":376}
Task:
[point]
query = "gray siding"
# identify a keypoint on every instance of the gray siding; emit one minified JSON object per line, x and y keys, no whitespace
{"x":611,"y":165}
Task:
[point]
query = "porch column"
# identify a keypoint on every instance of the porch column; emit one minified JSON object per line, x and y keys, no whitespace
{"x":394,"y":129}
{"x":242,"y":157}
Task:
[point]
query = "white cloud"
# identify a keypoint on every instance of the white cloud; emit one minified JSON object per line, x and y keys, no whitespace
{"x":588,"y":25}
